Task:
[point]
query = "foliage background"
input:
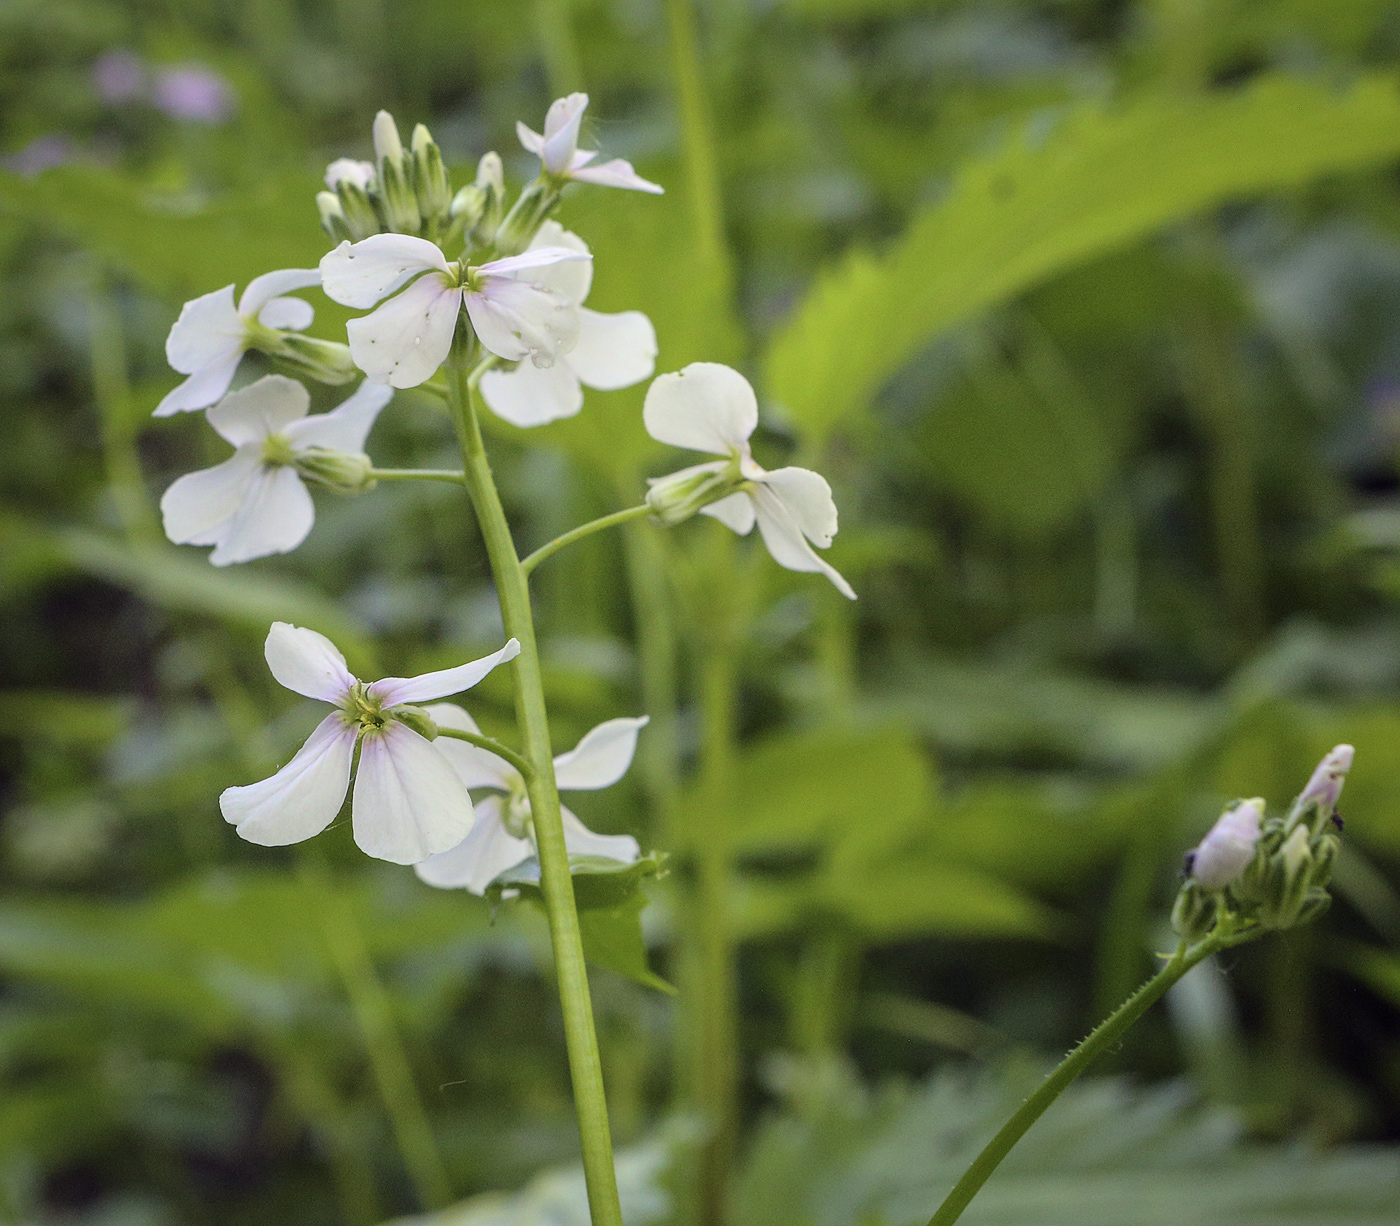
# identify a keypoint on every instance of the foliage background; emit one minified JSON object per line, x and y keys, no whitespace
{"x":1090,"y":310}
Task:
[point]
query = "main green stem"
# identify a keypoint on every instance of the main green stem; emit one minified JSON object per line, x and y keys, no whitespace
{"x":1107,"y":1033}
{"x":513,"y":591}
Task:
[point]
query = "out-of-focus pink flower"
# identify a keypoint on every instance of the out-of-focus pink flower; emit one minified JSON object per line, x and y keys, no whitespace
{"x":41,"y":154}
{"x":194,"y":93}
{"x":118,"y":76}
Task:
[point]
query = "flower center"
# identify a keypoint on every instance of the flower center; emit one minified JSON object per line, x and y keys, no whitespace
{"x":276,"y":449}
{"x":515,"y":813}
{"x":361,"y":707}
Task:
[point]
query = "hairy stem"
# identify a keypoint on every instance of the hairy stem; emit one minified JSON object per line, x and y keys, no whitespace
{"x":583,"y":530}
{"x":1107,"y":1033}
{"x":512,"y":589}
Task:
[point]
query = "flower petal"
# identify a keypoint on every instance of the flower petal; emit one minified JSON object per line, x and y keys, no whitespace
{"x":345,"y":427}
{"x":302,"y":798}
{"x":475,"y":767}
{"x":735,"y":512}
{"x":262,"y":290}
{"x":572,"y":278}
{"x":517,"y":320}
{"x":202,"y":388}
{"x":250,"y":414}
{"x":480,"y":858}
{"x":561,"y":127}
{"x":532,"y":141}
{"x":361,"y":274}
{"x":274,"y":518}
{"x":208,"y":331}
{"x":706,"y":407}
{"x":786,"y":542}
{"x":532,"y":257}
{"x":531,"y":395}
{"x":349,"y":170}
{"x":602,"y":757}
{"x":581,"y":841}
{"x":289,"y":314}
{"x":613,"y":351}
{"x":807,"y":497}
{"x":617,"y":172}
{"x":196,"y":507}
{"x":408,"y":803}
{"x":395,"y":691}
{"x":307,"y":662}
{"x":405,"y":341}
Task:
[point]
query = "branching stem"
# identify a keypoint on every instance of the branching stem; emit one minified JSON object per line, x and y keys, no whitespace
{"x":577,"y":534}
{"x":417,"y":474}
{"x":491,"y":744}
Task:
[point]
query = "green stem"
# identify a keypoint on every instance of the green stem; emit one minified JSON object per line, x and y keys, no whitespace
{"x":416,"y":474}
{"x":512,"y":589}
{"x":374,"y":1014}
{"x":490,"y":743}
{"x":577,"y":534}
{"x":1104,"y":1036}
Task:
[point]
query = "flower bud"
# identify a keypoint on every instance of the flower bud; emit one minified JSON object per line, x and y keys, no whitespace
{"x":349,"y":170}
{"x":1228,"y":848}
{"x":361,"y":217}
{"x":396,"y":193}
{"x":676,"y":498}
{"x":312,"y":358}
{"x":430,"y":181}
{"x":1317,"y":803}
{"x":344,"y":472}
{"x":530,"y":211}
{"x":1193,"y":916}
{"x":417,"y":719}
{"x":332,"y":216}
{"x":385,"y":134}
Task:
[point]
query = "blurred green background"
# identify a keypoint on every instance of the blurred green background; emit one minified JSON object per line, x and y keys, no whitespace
{"x":1089,"y":309}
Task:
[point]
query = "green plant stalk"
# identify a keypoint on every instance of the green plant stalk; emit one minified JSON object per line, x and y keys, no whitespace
{"x":1103,"y":1036}
{"x":416,"y":474}
{"x":513,"y":591}
{"x":375,"y":1017}
{"x":492,"y":745}
{"x":583,"y":530}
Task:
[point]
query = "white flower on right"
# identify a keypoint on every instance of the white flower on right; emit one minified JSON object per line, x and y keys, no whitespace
{"x":1228,"y":847}
{"x":209,"y":339}
{"x":408,"y":804}
{"x":558,"y":150}
{"x":405,"y":341}
{"x":612,"y":351}
{"x":504,"y":834}
{"x":711,"y":407}
{"x":255,"y":503}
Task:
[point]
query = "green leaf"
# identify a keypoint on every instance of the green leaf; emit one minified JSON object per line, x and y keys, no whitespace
{"x":612,"y":937}
{"x":1105,"y":176}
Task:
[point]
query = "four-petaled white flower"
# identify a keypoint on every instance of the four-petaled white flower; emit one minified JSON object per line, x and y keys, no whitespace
{"x":255,"y":503}
{"x":210,"y":337}
{"x":408,"y":803}
{"x":612,"y":351}
{"x":710,"y":407}
{"x":405,"y":341}
{"x":504,"y":835}
{"x":558,"y":150}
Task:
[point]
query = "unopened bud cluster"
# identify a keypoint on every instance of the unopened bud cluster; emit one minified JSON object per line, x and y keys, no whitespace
{"x":1260,"y":872}
{"x":676,"y":498}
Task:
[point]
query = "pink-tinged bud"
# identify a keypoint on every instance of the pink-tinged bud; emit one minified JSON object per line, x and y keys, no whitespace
{"x":1325,"y":787}
{"x":1229,"y":847}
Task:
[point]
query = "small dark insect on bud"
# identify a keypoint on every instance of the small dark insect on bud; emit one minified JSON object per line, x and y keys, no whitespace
{"x":1337,"y":821}
{"x":1188,"y":864}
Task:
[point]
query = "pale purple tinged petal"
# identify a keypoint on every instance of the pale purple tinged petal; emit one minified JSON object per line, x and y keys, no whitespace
{"x":561,"y":129}
{"x":705,"y":407}
{"x":532,"y":141}
{"x":262,"y":290}
{"x":266,"y":407}
{"x":408,"y":803}
{"x":275,"y":518}
{"x":533,"y":257}
{"x":196,"y":508}
{"x":396,"y":691}
{"x":475,"y":767}
{"x":616,"y":173}
{"x":345,"y":427}
{"x":405,"y":341}
{"x":301,"y":799}
{"x":572,"y":278}
{"x":307,"y":662}
{"x":613,"y":351}
{"x":478,"y":859}
{"x":602,"y":757}
{"x":516,"y":320}
{"x":531,"y":395}
{"x":361,"y":274}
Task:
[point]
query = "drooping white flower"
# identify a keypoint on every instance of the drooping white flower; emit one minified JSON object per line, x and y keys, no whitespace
{"x":408,"y":802}
{"x":710,"y":407}
{"x":1228,"y":847}
{"x":255,"y":503}
{"x":503,"y":835}
{"x":210,"y":337}
{"x":612,"y":351}
{"x":405,"y":341}
{"x":558,"y":150}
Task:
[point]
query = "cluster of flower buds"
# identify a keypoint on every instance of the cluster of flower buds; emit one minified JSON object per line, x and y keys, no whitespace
{"x":403,"y":191}
{"x":1259,"y":872}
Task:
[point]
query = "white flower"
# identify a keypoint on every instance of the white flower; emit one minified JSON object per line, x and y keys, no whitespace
{"x":558,"y":150}
{"x":503,"y":835}
{"x":255,"y":503}
{"x":405,"y":341}
{"x":709,"y":407}
{"x":612,"y":351}
{"x":408,"y":804}
{"x":1228,"y":848}
{"x":211,"y":335}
